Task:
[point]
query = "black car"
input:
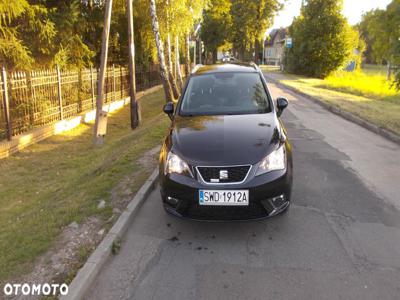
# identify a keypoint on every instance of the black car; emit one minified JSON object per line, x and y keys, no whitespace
{"x":226,"y":156}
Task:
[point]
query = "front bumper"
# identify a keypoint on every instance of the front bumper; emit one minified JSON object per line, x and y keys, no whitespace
{"x":269,"y":194}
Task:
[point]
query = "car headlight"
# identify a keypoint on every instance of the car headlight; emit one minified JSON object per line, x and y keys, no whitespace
{"x":175,"y":164}
{"x":276,"y":160}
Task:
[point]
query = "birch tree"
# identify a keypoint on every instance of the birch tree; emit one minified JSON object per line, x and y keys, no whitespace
{"x":177,"y":62}
{"x":160,"y":52}
{"x":168,"y":50}
{"x":169,"y":67}
{"x":187,"y":55}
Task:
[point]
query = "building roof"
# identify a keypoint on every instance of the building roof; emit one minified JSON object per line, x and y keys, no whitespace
{"x":278,"y":34}
{"x":231,"y":67}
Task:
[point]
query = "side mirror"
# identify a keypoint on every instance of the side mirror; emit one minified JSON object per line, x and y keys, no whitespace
{"x":281,"y":104}
{"x":169,"y":109}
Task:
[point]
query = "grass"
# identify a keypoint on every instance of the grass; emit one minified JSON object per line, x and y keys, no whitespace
{"x":365,"y":94}
{"x":269,"y":68}
{"x":61,"y":180}
{"x":370,"y":82}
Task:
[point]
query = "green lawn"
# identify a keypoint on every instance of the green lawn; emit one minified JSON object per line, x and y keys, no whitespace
{"x":269,"y":68}
{"x":369,"y":82}
{"x":375,"y":69}
{"x":61,"y":179}
{"x":366,"y":95}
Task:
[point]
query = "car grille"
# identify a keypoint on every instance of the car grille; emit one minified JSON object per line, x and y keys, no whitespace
{"x":234,"y":174}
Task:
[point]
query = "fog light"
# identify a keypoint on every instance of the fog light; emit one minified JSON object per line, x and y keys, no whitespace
{"x":172,"y":201}
{"x":278,"y":203}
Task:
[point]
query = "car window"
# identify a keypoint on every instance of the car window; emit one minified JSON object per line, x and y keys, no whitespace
{"x":225,"y":93}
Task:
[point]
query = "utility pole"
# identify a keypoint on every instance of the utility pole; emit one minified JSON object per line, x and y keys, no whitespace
{"x":135,"y":110}
{"x":263,"y":54}
{"x":200,"y":50}
{"x":100,"y":125}
{"x":194,"y":51}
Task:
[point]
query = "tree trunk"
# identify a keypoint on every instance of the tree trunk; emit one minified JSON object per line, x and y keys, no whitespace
{"x":178,"y":65}
{"x":389,"y":71}
{"x":160,"y":52}
{"x":241,"y":54}
{"x":187,"y":56}
{"x":257,"y":51}
{"x":215,"y":56}
{"x":169,"y":64}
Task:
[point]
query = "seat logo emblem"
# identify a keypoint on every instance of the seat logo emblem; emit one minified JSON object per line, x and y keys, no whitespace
{"x":223,"y":174}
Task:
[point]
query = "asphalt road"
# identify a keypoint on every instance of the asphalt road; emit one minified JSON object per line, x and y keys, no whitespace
{"x":339,"y":240}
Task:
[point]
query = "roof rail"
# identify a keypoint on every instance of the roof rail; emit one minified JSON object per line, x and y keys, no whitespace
{"x":196,"y":67}
{"x":254,"y":65}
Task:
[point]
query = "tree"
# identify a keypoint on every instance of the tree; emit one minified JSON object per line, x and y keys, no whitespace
{"x":323,"y":41}
{"x":187,"y":55}
{"x":160,"y":51}
{"x":382,"y":29}
{"x":393,"y":21}
{"x":216,"y":25}
{"x":177,"y":19}
{"x":378,"y":34}
{"x":177,"y":62}
{"x":168,"y":21}
{"x":363,"y":28}
{"x":195,"y":9}
{"x":71,"y":49}
{"x":250,"y":20}
{"x":26,"y":33}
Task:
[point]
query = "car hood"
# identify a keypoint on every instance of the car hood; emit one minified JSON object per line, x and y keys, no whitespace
{"x":224,"y":140}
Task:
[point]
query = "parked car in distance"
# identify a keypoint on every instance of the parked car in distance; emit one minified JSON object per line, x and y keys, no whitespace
{"x":226,"y":155}
{"x":228,"y":58}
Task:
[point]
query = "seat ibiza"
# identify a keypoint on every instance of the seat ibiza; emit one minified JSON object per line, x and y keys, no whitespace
{"x":226,"y":155}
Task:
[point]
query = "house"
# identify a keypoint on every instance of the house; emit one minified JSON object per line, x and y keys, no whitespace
{"x":274,"y":46}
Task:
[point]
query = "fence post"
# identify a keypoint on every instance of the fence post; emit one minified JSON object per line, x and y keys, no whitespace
{"x":6,"y":104}
{"x":92,"y":85}
{"x":149,"y":83}
{"x":80,"y":83}
{"x":114,"y":96}
{"x":143,"y":76}
{"x":28,"y":76}
{"x":59,"y":93}
{"x":121,"y":83}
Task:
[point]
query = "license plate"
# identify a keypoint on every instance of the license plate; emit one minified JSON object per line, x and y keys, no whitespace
{"x":224,"y":197}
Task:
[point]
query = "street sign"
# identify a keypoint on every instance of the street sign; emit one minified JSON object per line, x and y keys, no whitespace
{"x":289,"y":43}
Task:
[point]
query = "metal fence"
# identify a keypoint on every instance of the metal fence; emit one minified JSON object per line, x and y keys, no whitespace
{"x":41,"y":97}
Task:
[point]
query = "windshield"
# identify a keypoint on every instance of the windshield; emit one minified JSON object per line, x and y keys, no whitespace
{"x":225,"y":94}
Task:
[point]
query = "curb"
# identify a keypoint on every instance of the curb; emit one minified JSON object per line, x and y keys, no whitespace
{"x":87,"y":274}
{"x":344,"y":114}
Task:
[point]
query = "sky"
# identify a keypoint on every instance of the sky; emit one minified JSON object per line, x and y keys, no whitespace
{"x":352,"y":9}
